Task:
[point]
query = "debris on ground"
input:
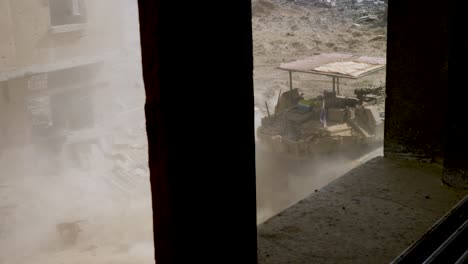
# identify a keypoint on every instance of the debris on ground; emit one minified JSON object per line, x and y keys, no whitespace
{"x":69,"y":231}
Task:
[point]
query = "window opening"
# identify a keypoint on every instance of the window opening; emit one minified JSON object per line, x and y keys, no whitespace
{"x":67,"y":12}
{"x":319,"y":86}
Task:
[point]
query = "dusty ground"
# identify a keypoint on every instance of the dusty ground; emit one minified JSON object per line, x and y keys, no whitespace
{"x":289,"y":30}
{"x":370,"y":215}
{"x":112,"y":199}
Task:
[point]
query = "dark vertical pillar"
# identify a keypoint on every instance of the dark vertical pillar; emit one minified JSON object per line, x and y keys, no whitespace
{"x":157,"y":131}
{"x":338,"y":85}
{"x":456,"y":148}
{"x":426,"y":111}
{"x":417,"y":78}
{"x":197,"y":67}
{"x":334,"y":84}
{"x":290,"y":82}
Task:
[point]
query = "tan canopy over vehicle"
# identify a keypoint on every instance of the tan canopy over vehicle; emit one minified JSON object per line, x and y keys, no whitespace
{"x":329,"y":122}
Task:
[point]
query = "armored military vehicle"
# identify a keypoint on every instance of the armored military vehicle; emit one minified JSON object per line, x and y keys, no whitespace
{"x":329,"y":122}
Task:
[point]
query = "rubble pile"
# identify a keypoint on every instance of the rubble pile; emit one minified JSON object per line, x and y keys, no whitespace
{"x":130,"y":172}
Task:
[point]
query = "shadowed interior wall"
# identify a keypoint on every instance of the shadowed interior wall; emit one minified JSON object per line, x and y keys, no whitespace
{"x":426,"y":105}
{"x":199,"y":112}
{"x":456,"y":148}
{"x":417,"y":78}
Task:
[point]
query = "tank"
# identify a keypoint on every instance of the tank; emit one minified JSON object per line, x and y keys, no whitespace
{"x":328,"y":123}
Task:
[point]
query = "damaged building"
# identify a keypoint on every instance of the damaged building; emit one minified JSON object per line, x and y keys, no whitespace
{"x":55,"y":72}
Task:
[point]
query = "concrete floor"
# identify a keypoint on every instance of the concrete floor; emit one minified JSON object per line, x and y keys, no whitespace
{"x":370,"y":215}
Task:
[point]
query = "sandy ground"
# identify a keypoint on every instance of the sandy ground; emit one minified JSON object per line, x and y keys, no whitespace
{"x":288,"y":30}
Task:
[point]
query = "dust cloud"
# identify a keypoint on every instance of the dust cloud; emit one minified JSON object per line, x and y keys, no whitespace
{"x":74,"y":181}
{"x":284,"y":181}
